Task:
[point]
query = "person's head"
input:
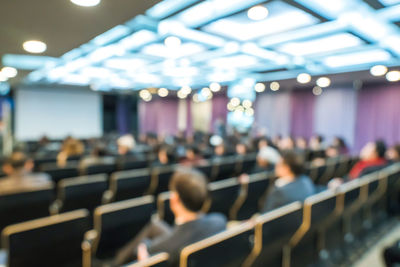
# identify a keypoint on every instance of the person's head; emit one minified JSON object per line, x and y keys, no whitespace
{"x":316,"y":142}
{"x":164,"y":154}
{"x":219,"y":150}
{"x":73,"y":147}
{"x":286,"y":143}
{"x":301,"y":143}
{"x":393,"y":153}
{"x":266,"y":156}
{"x":241,"y":149}
{"x":125,"y":144}
{"x":189,"y":191}
{"x":291,"y":164}
{"x":339,"y":142}
{"x":17,"y":162}
{"x":263,"y":142}
{"x":192,"y":152}
{"x":332,"y":152}
{"x":373,"y":150}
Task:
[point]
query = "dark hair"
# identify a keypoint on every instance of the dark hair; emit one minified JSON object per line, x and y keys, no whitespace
{"x":319,"y":138}
{"x":295,"y":162}
{"x":397,"y":149}
{"x":380,"y":148}
{"x":17,"y":160}
{"x":191,"y":186}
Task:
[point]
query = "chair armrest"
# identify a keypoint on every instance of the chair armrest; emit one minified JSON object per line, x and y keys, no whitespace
{"x":87,"y":246}
{"x":55,"y":207}
{"x":108,"y":197}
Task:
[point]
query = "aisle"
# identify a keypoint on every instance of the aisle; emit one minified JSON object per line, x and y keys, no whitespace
{"x":373,"y":257}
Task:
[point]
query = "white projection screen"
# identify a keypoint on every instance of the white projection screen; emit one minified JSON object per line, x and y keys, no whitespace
{"x":57,"y":113}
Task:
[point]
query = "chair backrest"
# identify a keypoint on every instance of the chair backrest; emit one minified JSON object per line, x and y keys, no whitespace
{"x":158,"y":260}
{"x":82,"y":192}
{"x":206,"y":170}
{"x":273,"y":231}
{"x":23,"y":206}
{"x":226,"y":168}
{"x":117,"y":223}
{"x":58,"y":173}
{"x":223,"y":196}
{"x":256,"y":190}
{"x":107,"y":168}
{"x":393,"y":173}
{"x":129,"y":184}
{"x":160,"y":177}
{"x":132,"y":163}
{"x":48,"y":242}
{"x":164,"y":209}
{"x":229,"y":248}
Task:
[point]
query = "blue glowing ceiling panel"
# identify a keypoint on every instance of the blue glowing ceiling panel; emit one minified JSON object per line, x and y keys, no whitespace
{"x":227,"y":41}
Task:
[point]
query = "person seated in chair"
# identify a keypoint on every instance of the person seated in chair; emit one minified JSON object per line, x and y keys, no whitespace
{"x":291,"y":185}
{"x":267,"y":157}
{"x":371,"y":159}
{"x":19,"y":175}
{"x":189,"y":192}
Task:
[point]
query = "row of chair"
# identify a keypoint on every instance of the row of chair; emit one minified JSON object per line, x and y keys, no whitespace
{"x":91,"y":191}
{"x":294,"y":235}
{"x":214,"y":169}
{"x":298,"y":235}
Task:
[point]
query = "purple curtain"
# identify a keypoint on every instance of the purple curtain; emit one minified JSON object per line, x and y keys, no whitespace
{"x":378,"y":115}
{"x":123,"y":115}
{"x":159,"y":116}
{"x":302,"y":113}
{"x":189,"y":122}
{"x":219,"y":109}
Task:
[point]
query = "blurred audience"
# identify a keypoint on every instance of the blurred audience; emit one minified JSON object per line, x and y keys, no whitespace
{"x":18,"y":168}
{"x":291,"y":185}
{"x":267,"y":157}
{"x":125,"y":144}
{"x":98,"y":156}
{"x":189,"y":192}
{"x":371,"y":159}
{"x":71,"y":148}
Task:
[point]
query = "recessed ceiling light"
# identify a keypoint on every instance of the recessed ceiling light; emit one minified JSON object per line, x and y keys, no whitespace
{"x":3,"y":77}
{"x":9,"y":72}
{"x":259,"y":87}
{"x":323,"y":82}
{"x":274,"y":86}
{"x":86,"y":2}
{"x":317,"y":90}
{"x":304,"y":78}
{"x":172,"y":42}
{"x":215,"y":87}
{"x":163,"y":92}
{"x":257,"y":13}
{"x":393,"y":76}
{"x":34,"y":46}
{"x":378,"y":70}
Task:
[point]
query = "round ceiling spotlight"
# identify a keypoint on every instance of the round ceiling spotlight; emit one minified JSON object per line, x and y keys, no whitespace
{"x":323,"y":82}
{"x":317,"y":90}
{"x":393,"y":76}
{"x":259,"y":87}
{"x":9,"y":72}
{"x":172,"y":42}
{"x":145,"y":95}
{"x":86,"y":3}
{"x":34,"y":46}
{"x":304,"y":78}
{"x":3,"y":77}
{"x":215,"y":87}
{"x":378,"y":70}
{"x":274,"y":86}
{"x":163,"y":92}
{"x":257,"y":13}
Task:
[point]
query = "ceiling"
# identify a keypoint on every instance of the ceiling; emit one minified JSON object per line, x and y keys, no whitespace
{"x":219,"y":43}
{"x":59,"y":23}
